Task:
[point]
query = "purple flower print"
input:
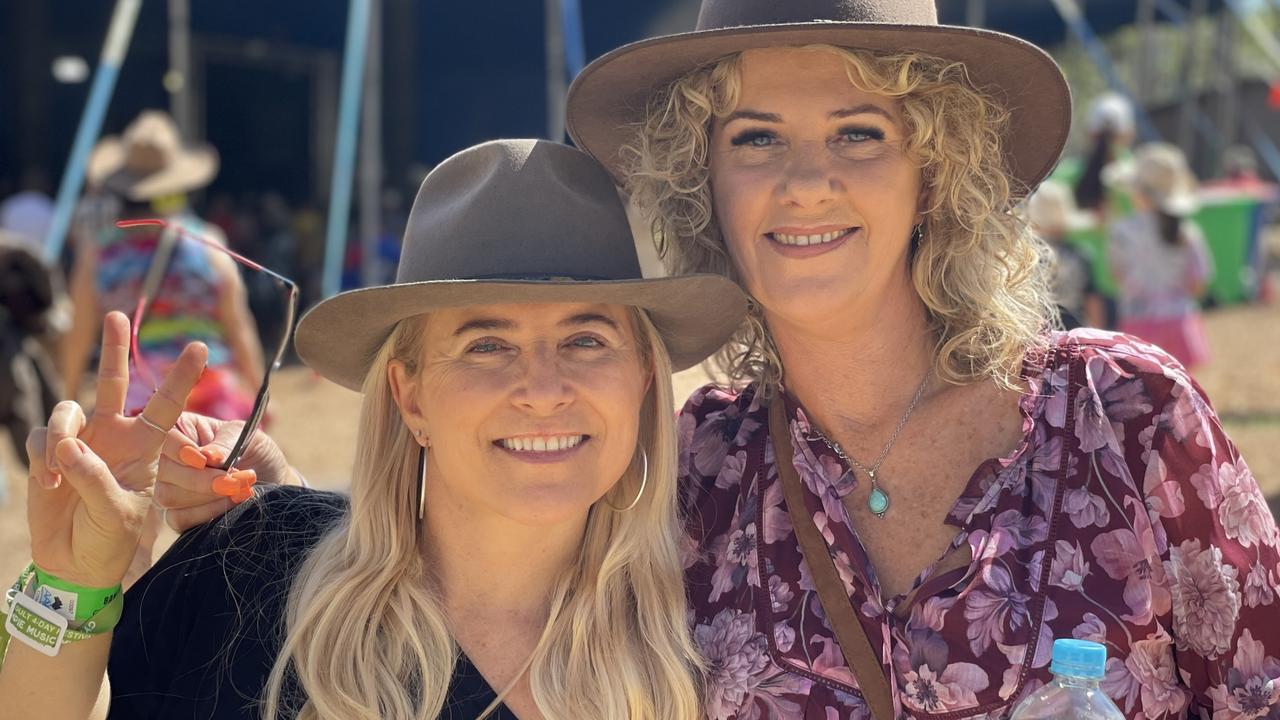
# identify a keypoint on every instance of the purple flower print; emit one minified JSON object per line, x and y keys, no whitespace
{"x":993,"y":609}
{"x":718,"y":432}
{"x":742,"y":682}
{"x":1258,"y":587}
{"x":1252,"y":689}
{"x":955,"y":688}
{"x":1085,"y":509}
{"x":731,"y":471}
{"x":830,"y":662}
{"x":1206,"y":598}
{"x":737,"y":562}
{"x":1151,"y":664}
{"x":1092,"y":629}
{"x":780,"y":595}
{"x":1243,"y":512}
{"x":784,"y":636}
{"x":1069,"y":568}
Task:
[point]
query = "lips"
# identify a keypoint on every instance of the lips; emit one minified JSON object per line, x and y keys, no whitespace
{"x":807,"y":239}
{"x":541,"y":443}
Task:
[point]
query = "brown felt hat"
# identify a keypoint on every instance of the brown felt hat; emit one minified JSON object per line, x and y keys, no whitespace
{"x":149,"y":160}
{"x":608,"y":98}
{"x":517,"y":221}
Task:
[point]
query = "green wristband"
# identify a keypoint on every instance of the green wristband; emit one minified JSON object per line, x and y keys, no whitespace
{"x":75,"y":602}
{"x":44,"y":629}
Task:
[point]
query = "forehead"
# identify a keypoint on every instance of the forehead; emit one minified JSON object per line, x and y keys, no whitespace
{"x":529,"y":316}
{"x":802,"y":80}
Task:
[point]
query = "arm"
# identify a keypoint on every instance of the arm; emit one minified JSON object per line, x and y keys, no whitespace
{"x":1222,"y":556}
{"x":86,"y":316}
{"x":89,"y":488}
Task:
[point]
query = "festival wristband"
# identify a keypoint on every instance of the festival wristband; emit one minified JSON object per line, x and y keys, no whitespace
{"x":74,"y":602}
{"x":44,"y":629}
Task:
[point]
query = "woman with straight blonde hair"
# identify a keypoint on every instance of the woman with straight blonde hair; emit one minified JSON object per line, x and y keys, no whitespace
{"x":510,"y":545}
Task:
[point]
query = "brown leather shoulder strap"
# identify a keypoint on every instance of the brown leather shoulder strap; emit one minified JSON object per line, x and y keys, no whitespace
{"x":863,"y":660}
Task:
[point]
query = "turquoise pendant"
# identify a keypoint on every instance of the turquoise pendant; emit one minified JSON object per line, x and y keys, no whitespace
{"x":878,"y":501}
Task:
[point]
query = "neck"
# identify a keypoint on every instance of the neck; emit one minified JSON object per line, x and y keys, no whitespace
{"x":856,"y":374}
{"x":492,"y":569}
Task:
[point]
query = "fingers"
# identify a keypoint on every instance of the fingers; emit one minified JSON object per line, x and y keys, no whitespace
{"x":88,"y":474}
{"x":113,"y":366}
{"x":182,"y":519}
{"x":166,"y":405}
{"x":38,"y":466}
{"x":66,"y":421}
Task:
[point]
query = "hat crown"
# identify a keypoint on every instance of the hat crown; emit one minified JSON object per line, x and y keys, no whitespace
{"x":717,"y":14}
{"x":520,"y":210}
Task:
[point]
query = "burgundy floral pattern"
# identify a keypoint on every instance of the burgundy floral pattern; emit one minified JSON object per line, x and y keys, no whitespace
{"x":1125,"y":516}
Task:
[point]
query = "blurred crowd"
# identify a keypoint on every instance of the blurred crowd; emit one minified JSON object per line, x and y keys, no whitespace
{"x":1139,"y":241}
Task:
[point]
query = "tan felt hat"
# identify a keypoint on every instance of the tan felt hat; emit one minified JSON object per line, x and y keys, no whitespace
{"x":607,"y":100}
{"x":517,"y":221}
{"x":149,"y":160}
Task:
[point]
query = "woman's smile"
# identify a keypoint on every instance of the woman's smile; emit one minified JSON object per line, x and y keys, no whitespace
{"x":549,"y":448}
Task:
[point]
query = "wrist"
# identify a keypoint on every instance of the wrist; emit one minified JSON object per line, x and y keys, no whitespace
{"x":76,"y":601}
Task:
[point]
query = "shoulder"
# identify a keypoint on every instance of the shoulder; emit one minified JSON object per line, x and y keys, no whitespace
{"x":1104,"y":357}
{"x":715,"y":419}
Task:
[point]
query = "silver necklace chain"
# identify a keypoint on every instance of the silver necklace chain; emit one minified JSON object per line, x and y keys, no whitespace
{"x":875,"y":467}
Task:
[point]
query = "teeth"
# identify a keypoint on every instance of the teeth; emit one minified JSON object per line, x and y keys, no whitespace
{"x":803,"y":240}
{"x":553,"y":443}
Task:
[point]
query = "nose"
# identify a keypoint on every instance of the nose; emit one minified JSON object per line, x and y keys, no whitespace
{"x":545,"y":387}
{"x":808,"y":180}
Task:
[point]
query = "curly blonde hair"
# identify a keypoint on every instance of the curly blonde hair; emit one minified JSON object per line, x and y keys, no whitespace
{"x":982,"y":274}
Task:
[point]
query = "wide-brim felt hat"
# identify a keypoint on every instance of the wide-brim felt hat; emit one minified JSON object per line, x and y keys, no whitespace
{"x":149,"y":160}
{"x":517,"y":221}
{"x":608,"y":99}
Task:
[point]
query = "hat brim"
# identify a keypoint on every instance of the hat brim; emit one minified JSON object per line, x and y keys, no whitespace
{"x":608,"y":99}
{"x":191,"y":169}
{"x":339,"y":337}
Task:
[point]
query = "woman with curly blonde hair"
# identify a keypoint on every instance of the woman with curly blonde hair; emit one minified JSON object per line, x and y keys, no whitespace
{"x":916,"y":483}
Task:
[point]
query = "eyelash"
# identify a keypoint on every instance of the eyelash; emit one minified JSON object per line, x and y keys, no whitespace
{"x":477,"y":346}
{"x":749,"y":137}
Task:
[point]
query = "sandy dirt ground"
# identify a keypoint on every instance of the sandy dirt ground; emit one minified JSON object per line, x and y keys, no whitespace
{"x":314,"y":420}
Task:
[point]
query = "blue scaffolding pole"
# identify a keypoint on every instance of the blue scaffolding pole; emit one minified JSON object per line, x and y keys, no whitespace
{"x":123,"y":20}
{"x":345,"y":146}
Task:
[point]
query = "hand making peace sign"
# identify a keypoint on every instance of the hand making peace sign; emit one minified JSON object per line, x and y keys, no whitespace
{"x":92,"y":477}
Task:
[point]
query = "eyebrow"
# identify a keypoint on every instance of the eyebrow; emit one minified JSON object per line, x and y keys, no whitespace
{"x":588,"y":318}
{"x":482,"y":324}
{"x":862,"y":109}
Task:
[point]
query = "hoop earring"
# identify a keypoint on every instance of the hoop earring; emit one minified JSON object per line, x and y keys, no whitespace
{"x":422,"y":481}
{"x":644,"y":482}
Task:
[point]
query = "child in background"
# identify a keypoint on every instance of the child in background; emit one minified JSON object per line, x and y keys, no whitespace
{"x":1052,"y":213}
{"x":1158,"y":255}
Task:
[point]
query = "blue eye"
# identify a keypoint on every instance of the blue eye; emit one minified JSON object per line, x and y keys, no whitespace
{"x":861,"y":134}
{"x":484,"y":347}
{"x":587,"y":341}
{"x":754,"y":138}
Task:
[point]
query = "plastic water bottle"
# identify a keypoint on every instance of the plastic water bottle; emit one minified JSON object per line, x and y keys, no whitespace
{"x":1078,"y":666}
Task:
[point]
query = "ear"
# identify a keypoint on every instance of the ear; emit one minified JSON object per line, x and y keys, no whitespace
{"x":404,"y":389}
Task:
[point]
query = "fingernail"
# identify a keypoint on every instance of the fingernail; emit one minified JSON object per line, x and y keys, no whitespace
{"x":214,"y":456}
{"x":192,"y":457}
{"x":242,"y":495}
{"x":226,"y":485}
{"x":246,"y":476}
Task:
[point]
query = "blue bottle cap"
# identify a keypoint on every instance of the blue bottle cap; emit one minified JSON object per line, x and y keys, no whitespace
{"x":1079,"y":658}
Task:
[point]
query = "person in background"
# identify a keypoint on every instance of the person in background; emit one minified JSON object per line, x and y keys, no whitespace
{"x":150,"y":170}
{"x":1158,"y":254}
{"x":28,"y":214}
{"x":1051,"y":212}
{"x":1111,"y":133}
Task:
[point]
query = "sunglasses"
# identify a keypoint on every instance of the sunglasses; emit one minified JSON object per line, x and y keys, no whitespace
{"x":156,"y":300}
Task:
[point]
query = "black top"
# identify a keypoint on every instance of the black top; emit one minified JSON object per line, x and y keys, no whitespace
{"x":202,"y":628}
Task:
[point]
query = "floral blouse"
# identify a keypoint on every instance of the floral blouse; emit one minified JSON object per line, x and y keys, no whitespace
{"x":1125,"y":516}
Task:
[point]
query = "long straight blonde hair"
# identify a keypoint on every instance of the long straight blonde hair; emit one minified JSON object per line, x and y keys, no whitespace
{"x":367,"y":635}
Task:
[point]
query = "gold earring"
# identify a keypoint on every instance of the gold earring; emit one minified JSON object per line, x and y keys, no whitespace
{"x":644,"y":482}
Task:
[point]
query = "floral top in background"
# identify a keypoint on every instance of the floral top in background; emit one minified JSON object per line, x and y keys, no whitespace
{"x":1125,"y":516}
